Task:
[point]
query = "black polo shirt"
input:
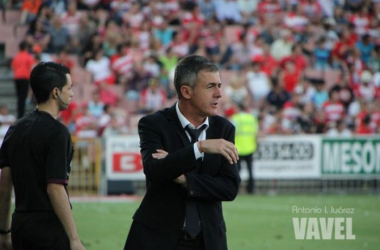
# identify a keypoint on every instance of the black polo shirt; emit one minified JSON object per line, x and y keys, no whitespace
{"x":38,"y":149}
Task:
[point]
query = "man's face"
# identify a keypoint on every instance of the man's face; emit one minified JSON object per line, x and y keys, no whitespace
{"x":66,"y":94}
{"x":205,"y":96}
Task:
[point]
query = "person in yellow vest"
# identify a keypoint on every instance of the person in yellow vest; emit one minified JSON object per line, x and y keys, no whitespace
{"x":246,"y":126}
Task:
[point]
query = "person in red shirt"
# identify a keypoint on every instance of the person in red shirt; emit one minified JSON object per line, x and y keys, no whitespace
{"x":364,"y":128}
{"x":22,"y":65}
{"x":290,"y":76}
{"x":297,"y":57}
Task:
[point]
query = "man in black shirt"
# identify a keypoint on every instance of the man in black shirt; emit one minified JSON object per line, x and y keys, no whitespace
{"x":35,"y":158}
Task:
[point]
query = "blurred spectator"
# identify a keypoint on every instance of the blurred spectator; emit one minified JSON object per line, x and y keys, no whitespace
{"x":361,"y":20}
{"x":321,"y":55}
{"x":115,"y":127}
{"x":152,"y":97}
{"x":58,"y":6}
{"x":107,"y":94}
{"x":133,"y":16}
{"x":223,"y":53}
{"x":374,"y":64}
{"x":59,"y":36}
{"x":29,"y":10}
{"x":329,"y":33}
{"x":268,"y":64}
{"x":364,"y":128}
{"x":344,"y":46}
{"x":297,"y":57}
{"x":312,"y":9}
{"x":71,"y":18}
{"x":340,"y":16}
{"x":278,"y":96}
{"x":40,"y":55}
{"x":295,"y":19}
{"x":258,"y":83}
{"x":200,"y":48}
{"x":236,"y":92}
{"x":63,"y":58}
{"x":283,"y":46}
{"x":339,"y":129}
{"x":268,"y":34}
{"x":367,"y":89}
{"x":365,"y":47}
{"x":105,"y":118}
{"x":163,"y":33}
{"x":241,"y":54}
{"x":305,"y":121}
{"x":137,"y":82}
{"x":207,"y":7}
{"x":122,"y":63}
{"x":22,"y":65}
{"x":179,"y":46}
{"x":151,"y":66}
{"x":333,"y":108}
{"x":37,"y":34}
{"x":169,"y":60}
{"x":268,"y":11}
{"x":110,"y":38}
{"x":228,"y":11}
{"x":291,"y":113}
{"x":85,"y":123}
{"x":144,"y":36}
{"x":248,"y":10}
{"x":85,"y":30}
{"x":100,"y":68}
{"x":95,"y":105}
{"x":118,"y":8}
{"x":45,"y":14}
{"x":289,"y":77}
{"x":170,"y":10}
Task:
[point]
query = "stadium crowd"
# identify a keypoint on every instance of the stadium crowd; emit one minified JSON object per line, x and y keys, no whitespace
{"x":130,"y":48}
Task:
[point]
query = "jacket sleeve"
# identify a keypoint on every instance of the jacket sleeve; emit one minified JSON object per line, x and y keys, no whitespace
{"x":168,"y":168}
{"x":223,"y":187}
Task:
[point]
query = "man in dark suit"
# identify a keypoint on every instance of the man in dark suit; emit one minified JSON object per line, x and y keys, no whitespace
{"x":188,"y":176}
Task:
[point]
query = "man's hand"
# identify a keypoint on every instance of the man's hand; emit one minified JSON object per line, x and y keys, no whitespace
{"x":76,"y":245}
{"x":220,"y":146}
{"x":181,"y":180}
{"x":160,"y":154}
{"x":5,"y":242}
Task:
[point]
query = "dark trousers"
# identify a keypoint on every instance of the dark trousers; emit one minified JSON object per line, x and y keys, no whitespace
{"x":191,"y":244}
{"x":38,"y":230}
{"x":22,"y":87}
{"x":248,"y":159}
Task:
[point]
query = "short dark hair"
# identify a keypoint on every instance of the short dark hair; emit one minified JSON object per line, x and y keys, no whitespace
{"x":187,"y":70}
{"x":46,"y":76}
{"x":23,"y":45}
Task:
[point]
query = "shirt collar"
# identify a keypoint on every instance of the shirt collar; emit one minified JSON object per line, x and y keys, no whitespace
{"x":184,"y":122}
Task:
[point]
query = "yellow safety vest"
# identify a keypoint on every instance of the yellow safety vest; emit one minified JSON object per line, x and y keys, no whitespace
{"x":245,"y":135}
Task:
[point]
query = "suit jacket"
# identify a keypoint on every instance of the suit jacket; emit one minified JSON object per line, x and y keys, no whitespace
{"x":162,"y":210}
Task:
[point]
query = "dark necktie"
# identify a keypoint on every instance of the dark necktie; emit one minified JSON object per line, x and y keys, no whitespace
{"x":193,"y":223}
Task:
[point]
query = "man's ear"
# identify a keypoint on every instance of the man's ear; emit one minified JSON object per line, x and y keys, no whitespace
{"x":186,"y":91}
{"x":55,"y":93}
